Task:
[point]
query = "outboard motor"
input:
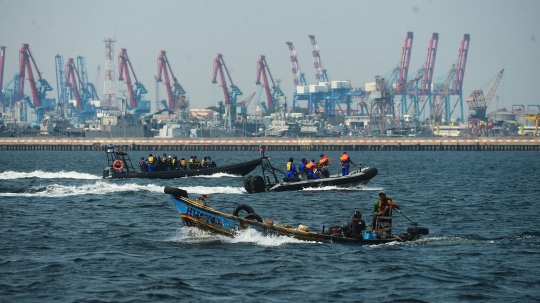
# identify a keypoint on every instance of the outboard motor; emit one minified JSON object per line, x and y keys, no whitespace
{"x":107,"y":172}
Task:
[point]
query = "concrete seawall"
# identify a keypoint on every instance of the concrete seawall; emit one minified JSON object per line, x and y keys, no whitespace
{"x":271,"y":144}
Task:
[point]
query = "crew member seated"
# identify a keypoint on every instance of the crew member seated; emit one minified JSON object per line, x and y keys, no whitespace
{"x":311,"y":167}
{"x":355,"y":227}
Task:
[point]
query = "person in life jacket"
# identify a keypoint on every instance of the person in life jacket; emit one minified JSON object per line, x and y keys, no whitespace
{"x":291,"y":169}
{"x":324,"y":161}
{"x":157,"y":163}
{"x":311,"y":167}
{"x":345,"y":162}
{"x":183,"y":163}
{"x":382,"y":207}
{"x":302,"y":167}
{"x":174,"y":163}
{"x":150,"y":163}
{"x":191,"y":161}
{"x":203,"y":161}
{"x":196,"y":162}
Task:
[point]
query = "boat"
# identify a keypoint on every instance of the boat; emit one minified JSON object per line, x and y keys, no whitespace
{"x":269,"y":181}
{"x":197,"y":213}
{"x":120,"y":166}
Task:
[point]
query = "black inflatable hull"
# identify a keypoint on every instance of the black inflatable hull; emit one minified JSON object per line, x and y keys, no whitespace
{"x":241,"y":169}
{"x":252,"y":184}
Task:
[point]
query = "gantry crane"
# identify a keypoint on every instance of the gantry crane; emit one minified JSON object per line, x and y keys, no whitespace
{"x":230,"y":97}
{"x":2,"y":60}
{"x":401,"y":83}
{"x":272,"y":97}
{"x":320,"y":73}
{"x":439,"y":107}
{"x":76,"y":83}
{"x":536,"y":118}
{"x":299,"y":78}
{"x":175,"y":92}
{"x":457,"y":89}
{"x":135,"y":96}
{"x":478,"y":103}
{"x":39,"y":90}
{"x":422,"y":90}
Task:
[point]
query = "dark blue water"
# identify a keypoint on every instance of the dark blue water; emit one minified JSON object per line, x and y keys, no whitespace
{"x":68,"y":236}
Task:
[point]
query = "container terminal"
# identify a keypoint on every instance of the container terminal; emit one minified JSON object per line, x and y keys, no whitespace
{"x":398,"y":110}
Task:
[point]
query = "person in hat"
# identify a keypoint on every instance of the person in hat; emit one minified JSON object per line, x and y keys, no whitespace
{"x":323,"y":161}
{"x":345,"y":162}
{"x":382,"y":207}
{"x":291,"y":169}
{"x":143,"y":165}
{"x":311,"y":167}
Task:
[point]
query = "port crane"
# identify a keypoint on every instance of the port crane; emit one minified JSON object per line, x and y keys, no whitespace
{"x":320,"y":74}
{"x":2,"y":60}
{"x":39,"y":90}
{"x":478,"y":103}
{"x":230,"y":96}
{"x":299,"y":79}
{"x":535,"y":118}
{"x":272,"y":97}
{"x":439,"y":106}
{"x":76,"y":83}
{"x":135,"y":96}
{"x":175,"y":92}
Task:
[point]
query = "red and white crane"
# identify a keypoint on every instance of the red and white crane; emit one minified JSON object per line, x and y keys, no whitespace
{"x":298,"y":77}
{"x":320,"y":73}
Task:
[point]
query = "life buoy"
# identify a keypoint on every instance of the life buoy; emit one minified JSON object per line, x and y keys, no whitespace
{"x":116,"y":163}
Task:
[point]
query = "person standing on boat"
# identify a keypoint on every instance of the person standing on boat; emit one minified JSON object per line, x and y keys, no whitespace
{"x":311,"y":167}
{"x":143,"y":165}
{"x":302,"y":167}
{"x":150,"y":163}
{"x":291,"y":169}
{"x":382,"y":207}
{"x":345,"y":162}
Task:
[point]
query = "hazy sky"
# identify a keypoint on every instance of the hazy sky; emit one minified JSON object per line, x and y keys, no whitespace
{"x":357,"y":40}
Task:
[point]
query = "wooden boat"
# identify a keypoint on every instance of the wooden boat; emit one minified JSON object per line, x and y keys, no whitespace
{"x":197,"y":213}
{"x":120,"y":166}
{"x":269,"y":181}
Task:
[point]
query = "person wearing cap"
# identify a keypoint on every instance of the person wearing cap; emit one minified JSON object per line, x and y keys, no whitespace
{"x":311,"y":167}
{"x":150,"y":166}
{"x":382,"y":207}
{"x":143,"y":165}
{"x":323,"y":161}
{"x":345,"y":162}
{"x":291,"y":169}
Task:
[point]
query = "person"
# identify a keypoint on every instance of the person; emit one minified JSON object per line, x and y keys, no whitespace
{"x":345,"y":162}
{"x":150,"y":163}
{"x":355,"y":226}
{"x":324,"y":161}
{"x":311,"y":168}
{"x":164,"y":162}
{"x":203,"y":161}
{"x":261,"y":150}
{"x":191,"y":161}
{"x":157,"y":162}
{"x":196,"y":162}
{"x":291,"y":169}
{"x":302,"y":167}
{"x":183,"y":163}
{"x":174,"y":163}
{"x":143,"y":165}
{"x":168,"y":163}
{"x":382,"y":207}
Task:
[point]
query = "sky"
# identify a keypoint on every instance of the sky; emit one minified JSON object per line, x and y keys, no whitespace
{"x":357,"y":40}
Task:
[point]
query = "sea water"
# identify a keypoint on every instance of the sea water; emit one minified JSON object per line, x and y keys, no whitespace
{"x":67,"y":235}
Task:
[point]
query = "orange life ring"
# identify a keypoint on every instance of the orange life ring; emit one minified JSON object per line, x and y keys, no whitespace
{"x":118,"y":168}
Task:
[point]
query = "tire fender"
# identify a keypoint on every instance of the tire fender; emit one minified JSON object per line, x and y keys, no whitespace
{"x":247,"y":184}
{"x":418,"y":230}
{"x":254,"y":217}
{"x":243,"y":207}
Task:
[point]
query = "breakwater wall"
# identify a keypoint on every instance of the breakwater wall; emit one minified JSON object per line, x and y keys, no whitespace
{"x":271,"y":144}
